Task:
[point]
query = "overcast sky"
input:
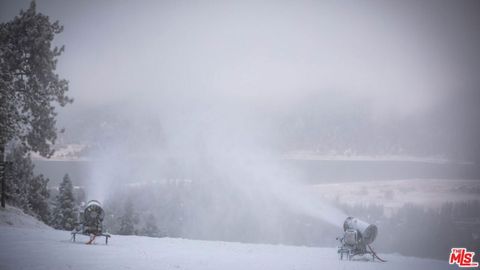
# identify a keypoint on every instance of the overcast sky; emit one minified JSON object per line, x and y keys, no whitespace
{"x":408,"y":70}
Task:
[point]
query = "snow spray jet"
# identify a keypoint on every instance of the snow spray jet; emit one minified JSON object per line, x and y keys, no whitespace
{"x":106,"y":169}
{"x":236,"y":148}
{"x":227,"y":152}
{"x":118,"y":156}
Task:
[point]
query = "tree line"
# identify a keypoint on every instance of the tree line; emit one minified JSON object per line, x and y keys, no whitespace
{"x":30,"y":192}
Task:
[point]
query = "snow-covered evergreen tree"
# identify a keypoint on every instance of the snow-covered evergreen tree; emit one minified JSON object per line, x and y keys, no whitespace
{"x":18,"y":176}
{"x":128,"y":219}
{"x":24,"y":190}
{"x":38,"y":195}
{"x":150,"y":228}
{"x":64,"y":212}
{"x":30,"y":88}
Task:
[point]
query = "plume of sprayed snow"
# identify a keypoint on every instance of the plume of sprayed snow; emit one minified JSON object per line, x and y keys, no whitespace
{"x":227,"y":150}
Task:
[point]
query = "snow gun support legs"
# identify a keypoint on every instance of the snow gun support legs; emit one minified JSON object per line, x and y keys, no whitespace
{"x":92,"y":237}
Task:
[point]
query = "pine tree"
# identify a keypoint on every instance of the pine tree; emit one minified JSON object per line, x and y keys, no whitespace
{"x":150,"y":228}
{"x":30,"y":88}
{"x":38,"y":195}
{"x":128,"y":220}
{"x":19,"y":176}
{"x":64,"y":213}
{"x":24,"y":190}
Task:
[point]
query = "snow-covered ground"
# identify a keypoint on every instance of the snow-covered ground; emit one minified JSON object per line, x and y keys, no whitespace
{"x":14,"y":217}
{"x":27,"y":244}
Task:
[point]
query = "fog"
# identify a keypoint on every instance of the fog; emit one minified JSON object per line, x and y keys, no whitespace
{"x":216,"y":93}
{"x":375,"y":79}
{"x":326,"y":74}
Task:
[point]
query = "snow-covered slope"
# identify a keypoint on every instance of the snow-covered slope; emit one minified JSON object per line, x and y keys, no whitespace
{"x":11,"y":216}
{"x":32,"y":247}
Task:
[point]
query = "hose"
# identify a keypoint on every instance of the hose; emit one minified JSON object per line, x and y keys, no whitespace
{"x":375,"y":254}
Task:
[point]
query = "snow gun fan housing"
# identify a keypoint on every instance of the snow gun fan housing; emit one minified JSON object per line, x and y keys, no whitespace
{"x":356,"y":240}
{"x":367,"y":232}
{"x":91,"y":222}
{"x":92,"y":217}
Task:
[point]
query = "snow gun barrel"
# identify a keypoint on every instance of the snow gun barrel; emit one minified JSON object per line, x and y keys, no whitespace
{"x":368,"y":232}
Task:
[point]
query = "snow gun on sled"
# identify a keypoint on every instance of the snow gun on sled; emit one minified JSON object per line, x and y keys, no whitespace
{"x":356,"y":240}
{"x":90,"y":222}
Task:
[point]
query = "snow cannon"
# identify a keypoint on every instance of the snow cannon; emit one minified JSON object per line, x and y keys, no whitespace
{"x":356,"y":240}
{"x":93,"y":215}
{"x":91,"y":222}
{"x":367,"y":232}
